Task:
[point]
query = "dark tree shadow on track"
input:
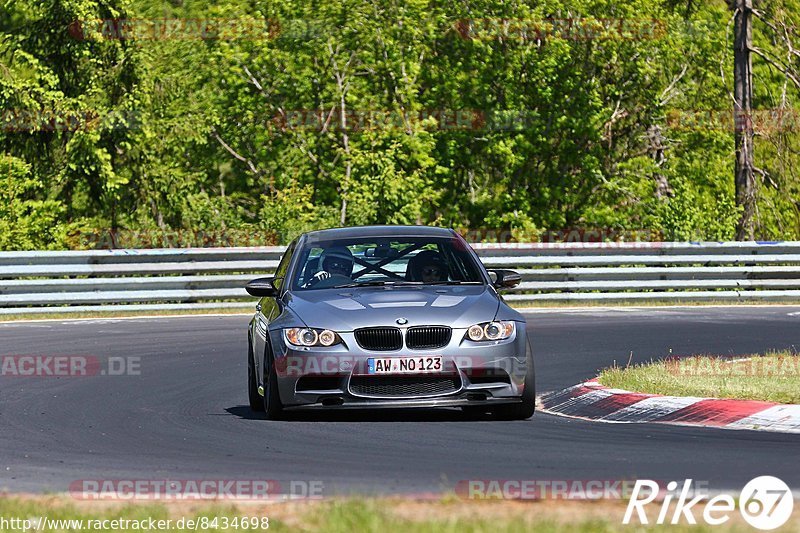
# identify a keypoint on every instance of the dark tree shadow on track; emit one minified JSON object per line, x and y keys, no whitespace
{"x":374,"y":415}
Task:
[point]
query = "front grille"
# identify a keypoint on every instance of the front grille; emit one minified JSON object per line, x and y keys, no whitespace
{"x":408,"y":386}
{"x":379,"y":339}
{"x":428,"y":337}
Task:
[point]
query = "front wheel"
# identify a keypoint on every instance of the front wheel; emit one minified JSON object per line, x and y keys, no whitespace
{"x":524,"y":410}
{"x":273,"y":407}
{"x":256,"y":402}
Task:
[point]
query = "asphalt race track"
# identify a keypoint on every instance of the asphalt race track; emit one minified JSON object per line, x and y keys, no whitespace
{"x":185,"y":415}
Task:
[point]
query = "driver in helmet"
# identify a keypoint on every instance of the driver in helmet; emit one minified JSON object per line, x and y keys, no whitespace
{"x":334,"y":262}
{"x":428,"y":266}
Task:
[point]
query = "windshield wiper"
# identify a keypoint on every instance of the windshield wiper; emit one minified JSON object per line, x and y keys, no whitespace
{"x":454,"y":283}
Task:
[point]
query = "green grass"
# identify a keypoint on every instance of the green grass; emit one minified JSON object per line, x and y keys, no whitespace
{"x":122,"y":313}
{"x":774,"y":377}
{"x":374,"y":516}
{"x":652,"y":303}
{"x":367,"y":515}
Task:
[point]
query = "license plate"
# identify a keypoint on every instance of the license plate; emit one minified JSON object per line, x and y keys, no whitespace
{"x":404,"y":365}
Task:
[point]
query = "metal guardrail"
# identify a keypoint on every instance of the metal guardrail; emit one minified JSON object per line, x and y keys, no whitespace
{"x":206,"y":278}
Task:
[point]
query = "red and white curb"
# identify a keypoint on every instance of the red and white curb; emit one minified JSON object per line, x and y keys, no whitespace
{"x":593,"y":401}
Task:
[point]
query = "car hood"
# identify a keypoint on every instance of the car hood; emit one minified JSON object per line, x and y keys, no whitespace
{"x":349,"y":309}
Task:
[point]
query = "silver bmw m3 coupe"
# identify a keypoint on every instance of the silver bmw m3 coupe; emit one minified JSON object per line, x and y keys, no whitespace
{"x":387,"y":317}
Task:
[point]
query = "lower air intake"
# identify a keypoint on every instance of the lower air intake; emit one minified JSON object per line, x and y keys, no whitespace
{"x":404,"y":386}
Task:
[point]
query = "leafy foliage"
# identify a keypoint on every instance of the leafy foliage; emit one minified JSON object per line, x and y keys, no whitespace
{"x":476,"y":114}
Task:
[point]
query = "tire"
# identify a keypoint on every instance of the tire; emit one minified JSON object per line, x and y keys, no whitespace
{"x":525,"y":409}
{"x":273,"y":407}
{"x":256,"y":402}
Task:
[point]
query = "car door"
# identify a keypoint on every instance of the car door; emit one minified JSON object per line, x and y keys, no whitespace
{"x":268,"y":309}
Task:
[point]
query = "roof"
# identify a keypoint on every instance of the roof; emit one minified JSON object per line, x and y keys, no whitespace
{"x":379,"y":231}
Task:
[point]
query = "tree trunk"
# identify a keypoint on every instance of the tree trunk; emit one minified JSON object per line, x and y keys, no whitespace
{"x":341,"y":84}
{"x":656,"y":149}
{"x":742,"y":114}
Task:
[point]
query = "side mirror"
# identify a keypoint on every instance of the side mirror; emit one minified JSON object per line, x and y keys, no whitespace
{"x":261,"y":287}
{"x":506,"y":279}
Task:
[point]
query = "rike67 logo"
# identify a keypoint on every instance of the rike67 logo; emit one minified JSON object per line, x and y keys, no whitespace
{"x":765,"y":503}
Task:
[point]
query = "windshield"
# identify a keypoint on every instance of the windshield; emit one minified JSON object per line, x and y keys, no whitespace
{"x":385,"y":261}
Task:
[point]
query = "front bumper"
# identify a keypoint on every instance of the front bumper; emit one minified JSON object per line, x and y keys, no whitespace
{"x":360,"y":403}
{"x":483,"y":374}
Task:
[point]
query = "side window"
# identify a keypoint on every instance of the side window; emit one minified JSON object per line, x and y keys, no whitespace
{"x":461,"y":266}
{"x":283,"y":266}
{"x":310,"y":267}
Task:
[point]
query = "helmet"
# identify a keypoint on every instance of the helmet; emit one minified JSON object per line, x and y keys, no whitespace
{"x":426,"y":258}
{"x":337,"y":255}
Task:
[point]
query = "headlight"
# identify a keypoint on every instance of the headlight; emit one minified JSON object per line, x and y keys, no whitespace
{"x":327,"y":337}
{"x":304,"y":337}
{"x":490,"y":331}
